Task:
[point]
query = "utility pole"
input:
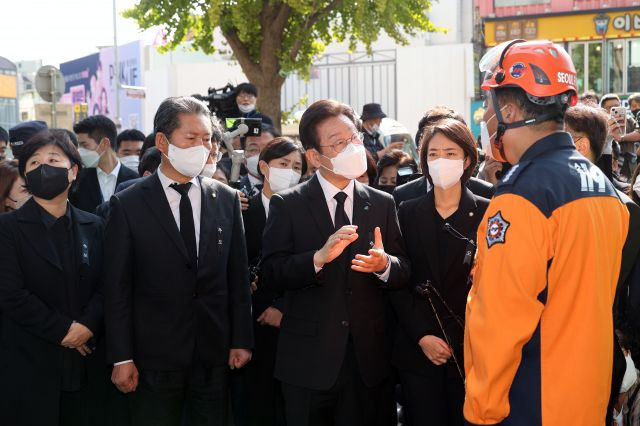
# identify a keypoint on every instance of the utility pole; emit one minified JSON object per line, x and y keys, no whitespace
{"x":116,"y":67}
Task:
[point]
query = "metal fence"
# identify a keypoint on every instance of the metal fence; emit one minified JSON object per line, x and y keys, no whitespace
{"x":352,"y":78}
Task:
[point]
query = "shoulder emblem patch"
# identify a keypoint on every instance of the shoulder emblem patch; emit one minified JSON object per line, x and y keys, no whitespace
{"x":497,"y":229}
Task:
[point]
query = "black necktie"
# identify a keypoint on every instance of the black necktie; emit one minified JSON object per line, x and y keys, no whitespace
{"x":187,"y":227}
{"x":341,"y":216}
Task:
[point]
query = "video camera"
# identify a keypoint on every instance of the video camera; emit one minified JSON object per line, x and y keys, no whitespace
{"x":222,"y":102}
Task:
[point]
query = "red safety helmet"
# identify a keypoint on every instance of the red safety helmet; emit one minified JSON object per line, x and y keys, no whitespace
{"x":540,"y":68}
{"x":543,"y":70}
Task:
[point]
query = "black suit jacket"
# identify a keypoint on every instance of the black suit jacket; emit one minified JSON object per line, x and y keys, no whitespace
{"x":255,"y":219}
{"x":450,"y":276}
{"x":159,"y":308}
{"x":38,"y":305}
{"x":418,"y":187}
{"x":87,"y":195}
{"x":322,"y":310}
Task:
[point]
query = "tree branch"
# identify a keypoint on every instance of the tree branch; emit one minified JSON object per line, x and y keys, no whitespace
{"x":273,"y":22}
{"x":311,"y":21}
{"x":242,"y":54}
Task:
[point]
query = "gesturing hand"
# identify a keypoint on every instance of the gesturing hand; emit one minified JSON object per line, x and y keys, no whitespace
{"x":335,"y":245}
{"x":238,"y":358}
{"x":77,"y":336}
{"x":125,"y":377}
{"x":244,"y":201}
{"x":435,"y":349}
{"x":377,"y":259}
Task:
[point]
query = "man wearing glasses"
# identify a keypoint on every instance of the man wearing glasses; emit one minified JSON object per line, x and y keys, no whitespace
{"x":334,"y":248}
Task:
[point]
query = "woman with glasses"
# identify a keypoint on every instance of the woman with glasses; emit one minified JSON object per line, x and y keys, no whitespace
{"x":439,"y":230}
{"x":51,"y":357}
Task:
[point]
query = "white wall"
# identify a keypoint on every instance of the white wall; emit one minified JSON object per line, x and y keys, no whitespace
{"x":165,"y":79}
{"x":433,"y":75}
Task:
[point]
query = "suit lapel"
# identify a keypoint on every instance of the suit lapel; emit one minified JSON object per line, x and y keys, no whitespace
{"x":208,"y":215}
{"x":36,"y":234}
{"x":464,"y":222}
{"x":83,"y":234}
{"x":426,"y":210}
{"x":155,"y":197}
{"x":318,"y":208}
{"x":94,"y":186}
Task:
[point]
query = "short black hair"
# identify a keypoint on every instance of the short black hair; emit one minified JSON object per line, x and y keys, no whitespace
{"x":149,"y":161}
{"x":318,"y":112}
{"x":266,"y":127}
{"x":281,"y":147}
{"x":129,"y":135}
{"x":435,"y":114}
{"x":634,"y":97}
{"x":149,"y":142}
{"x":57,"y":138}
{"x":98,"y":127}
{"x":217,"y":132}
{"x":247,"y":88}
{"x":4,"y":135}
{"x":528,"y":108}
{"x":167,"y":118}
{"x":72,"y":136}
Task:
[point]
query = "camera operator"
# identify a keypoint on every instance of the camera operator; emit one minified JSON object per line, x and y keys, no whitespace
{"x":246,"y":98}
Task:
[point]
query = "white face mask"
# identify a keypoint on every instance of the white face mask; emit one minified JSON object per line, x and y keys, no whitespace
{"x":252,"y":165}
{"x":131,"y":161}
{"x":445,"y":173}
{"x":209,"y":170}
{"x":89,"y":158}
{"x":281,"y":179}
{"x":350,"y":163}
{"x":630,"y":375}
{"x":188,"y":161}
{"x":246,"y":108}
{"x":375,"y":128}
{"x":485,"y":137}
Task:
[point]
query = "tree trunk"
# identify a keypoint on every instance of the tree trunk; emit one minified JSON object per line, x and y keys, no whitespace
{"x":269,"y":92}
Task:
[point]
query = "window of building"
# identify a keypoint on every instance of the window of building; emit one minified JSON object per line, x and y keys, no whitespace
{"x":615,"y":61}
{"x":587,"y":58}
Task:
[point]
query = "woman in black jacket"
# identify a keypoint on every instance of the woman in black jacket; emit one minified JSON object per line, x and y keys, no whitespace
{"x":439,"y":229}
{"x":281,"y":164}
{"x":52,"y":366}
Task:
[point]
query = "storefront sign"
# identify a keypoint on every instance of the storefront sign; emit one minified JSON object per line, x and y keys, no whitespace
{"x":561,"y":28}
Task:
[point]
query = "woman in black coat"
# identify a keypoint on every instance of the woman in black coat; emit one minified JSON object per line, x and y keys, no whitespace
{"x":439,"y":229}
{"x":259,"y":400}
{"x":52,"y":368}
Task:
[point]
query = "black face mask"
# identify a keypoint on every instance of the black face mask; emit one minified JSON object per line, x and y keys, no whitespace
{"x":386,"y":188}
{"x":47,"y":182}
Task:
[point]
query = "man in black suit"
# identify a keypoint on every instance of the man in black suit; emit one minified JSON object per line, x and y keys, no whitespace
{"x":334,"y":247}
{"x":177,"y":298}
{"x":103,"y":170}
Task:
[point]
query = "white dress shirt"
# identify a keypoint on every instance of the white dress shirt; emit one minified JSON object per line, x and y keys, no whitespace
{"x":173,"y":197}
{"x":265,"y":203}
{"x":330,"y":192}
{"x":107,"y":181}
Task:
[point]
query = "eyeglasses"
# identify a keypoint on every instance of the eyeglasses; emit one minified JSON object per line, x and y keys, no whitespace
{"x":341,"y":145}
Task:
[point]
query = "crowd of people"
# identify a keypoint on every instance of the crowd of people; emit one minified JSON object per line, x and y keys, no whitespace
{"x":339,"y":280}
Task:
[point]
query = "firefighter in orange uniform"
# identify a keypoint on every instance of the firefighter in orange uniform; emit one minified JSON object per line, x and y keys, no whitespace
{"x":538,"y":336}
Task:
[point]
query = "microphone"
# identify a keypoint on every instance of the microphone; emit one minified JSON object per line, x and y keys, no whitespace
{"x":471,"y":245}
{"x":237,"y":155}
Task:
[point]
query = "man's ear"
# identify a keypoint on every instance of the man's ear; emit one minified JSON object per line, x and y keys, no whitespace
{"x":313,"y":157}
{"x":511,"y":113}
{"x":162,"y":143}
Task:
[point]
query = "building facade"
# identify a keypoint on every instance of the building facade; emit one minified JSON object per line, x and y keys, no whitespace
{"x":602,"y":37}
